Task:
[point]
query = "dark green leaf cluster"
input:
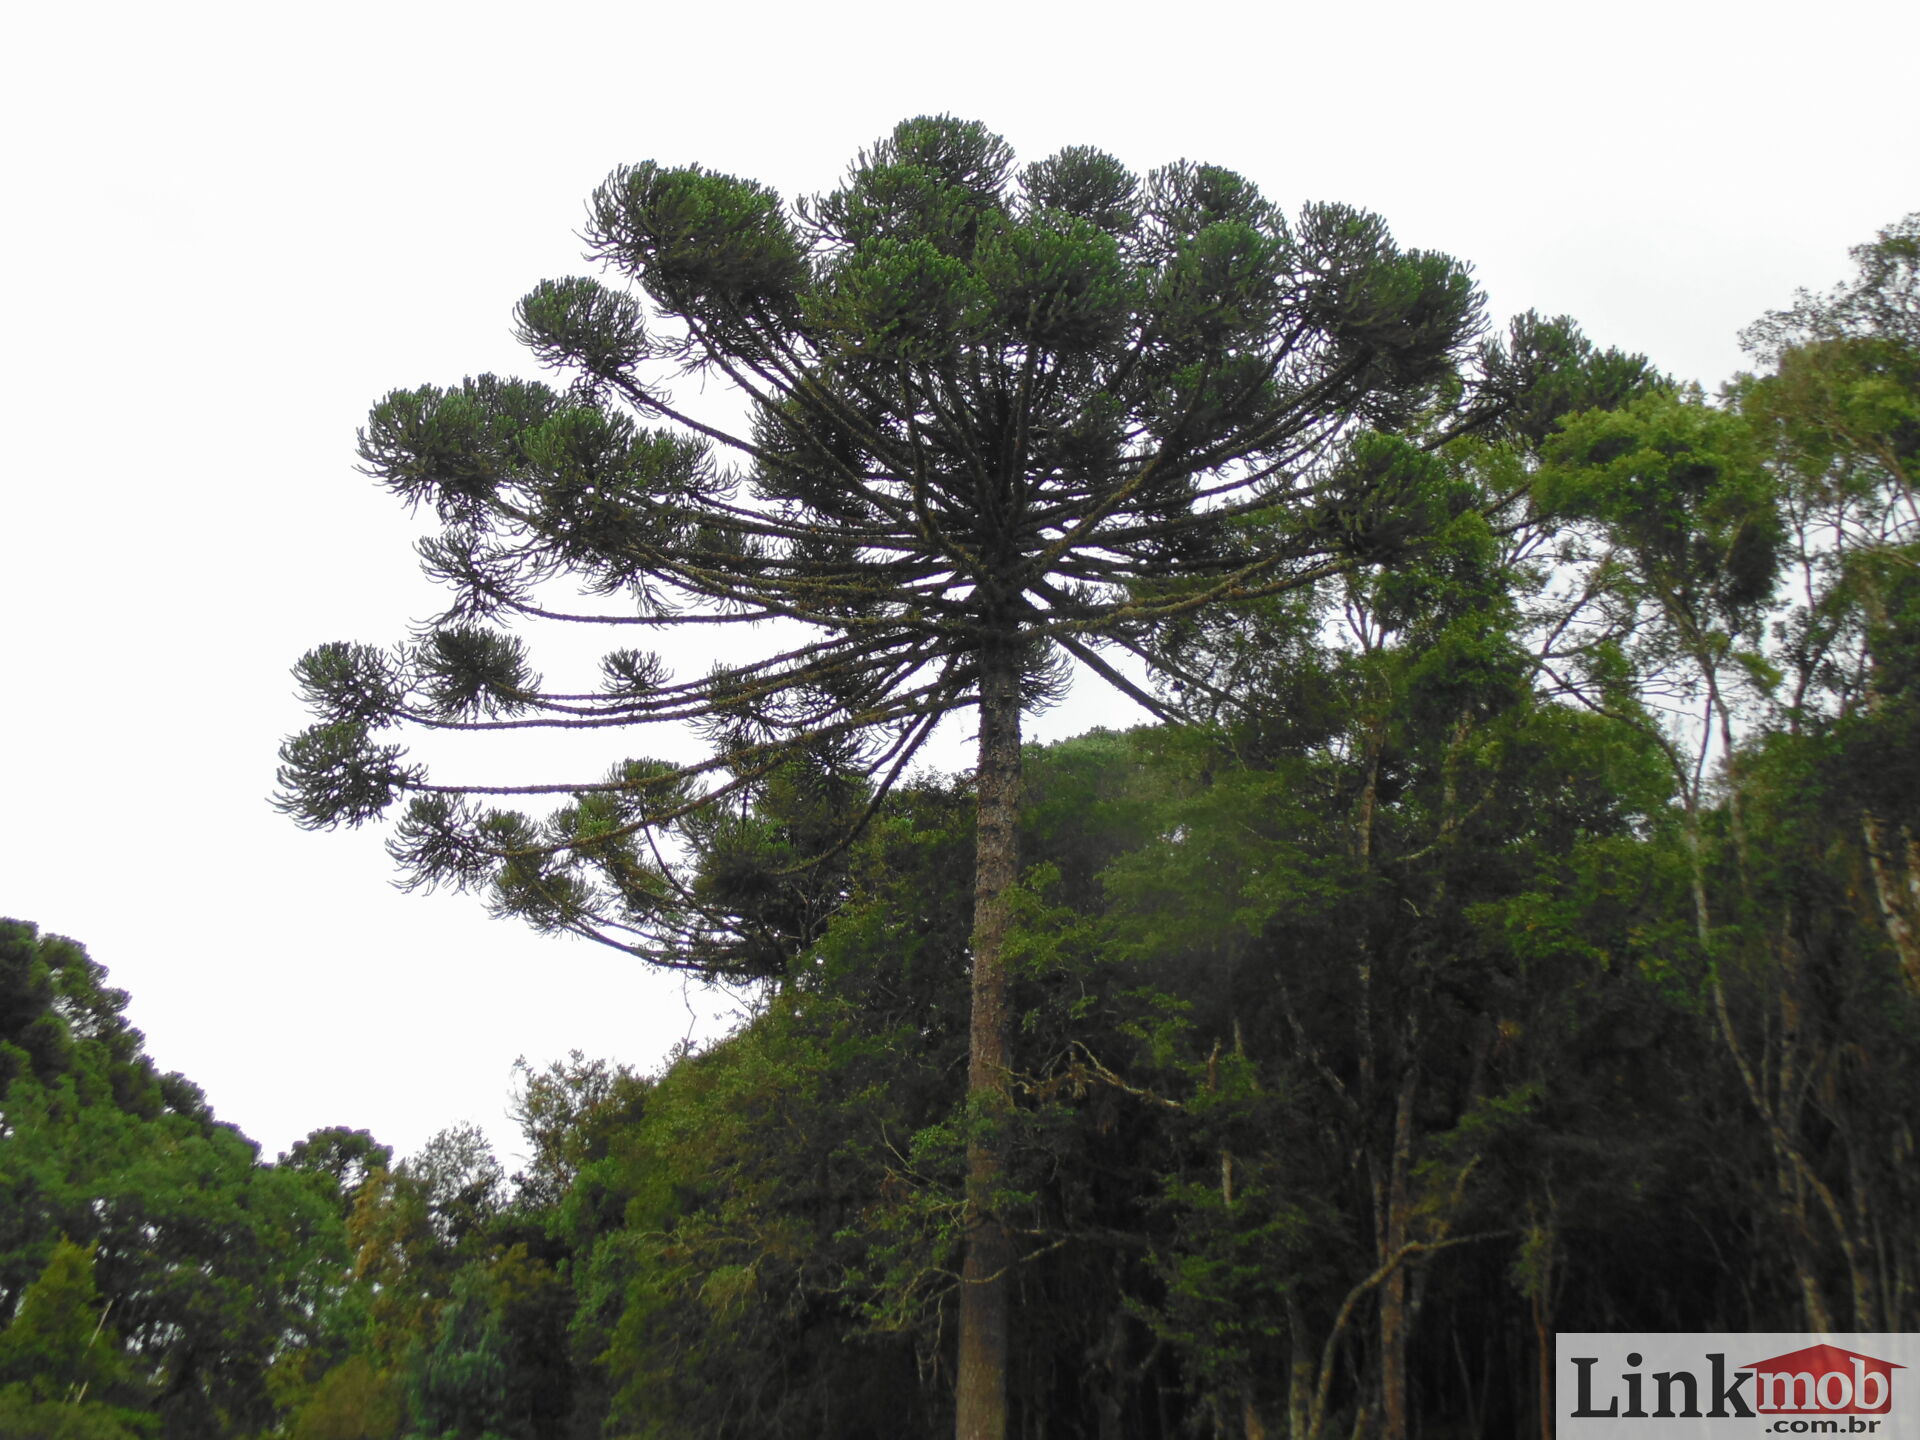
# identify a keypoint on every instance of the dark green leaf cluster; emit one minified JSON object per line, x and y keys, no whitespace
{"x":151,"y":1269}
{"x":1687,"y":485}
{"x":334,"y":773}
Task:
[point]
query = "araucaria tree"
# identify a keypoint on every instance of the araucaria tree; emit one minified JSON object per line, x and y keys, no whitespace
{"x":996,"y":421}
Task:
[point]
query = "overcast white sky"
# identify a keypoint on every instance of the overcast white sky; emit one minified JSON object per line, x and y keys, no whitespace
{"x":230,"y":228}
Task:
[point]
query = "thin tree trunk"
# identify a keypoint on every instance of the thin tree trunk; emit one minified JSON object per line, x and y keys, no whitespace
{"x":980,"y":1411}
{"x":1394,"y":1316}
{"x":1302,"y":1374}
{"x":1895,"y":900}
{"x":1795,"y":1174}
{"x":1736,"y":810}
{"x":1543,"y":1345}
{"x":1110,"y":1405}
{"x":1363,"y":852}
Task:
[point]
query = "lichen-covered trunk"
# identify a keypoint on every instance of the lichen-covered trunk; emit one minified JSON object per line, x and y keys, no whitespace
{"x":1897,"y":901}
{"x":981,"y":1388}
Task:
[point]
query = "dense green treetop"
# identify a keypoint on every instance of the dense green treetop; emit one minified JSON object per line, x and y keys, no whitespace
{"x":214,"y":1265}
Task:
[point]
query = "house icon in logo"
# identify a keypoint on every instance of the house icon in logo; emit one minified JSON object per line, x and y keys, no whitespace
{"x":1823,"y":1380}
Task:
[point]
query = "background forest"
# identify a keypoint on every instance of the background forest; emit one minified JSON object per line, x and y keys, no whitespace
{"x":1517,"y":931}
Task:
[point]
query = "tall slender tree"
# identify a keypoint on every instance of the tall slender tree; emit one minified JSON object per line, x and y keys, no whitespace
{"x":996,"y":421}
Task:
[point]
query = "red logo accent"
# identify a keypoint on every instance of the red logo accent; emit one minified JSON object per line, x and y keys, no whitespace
{"x":1823,"y":1380}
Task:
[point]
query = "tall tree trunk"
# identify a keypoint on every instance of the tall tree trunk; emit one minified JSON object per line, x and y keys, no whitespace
{"x":1542,"y":1301}
{"x":1363,"y":852}
{"x":1395,"y":1320}
{"x":1302,"y":1374}
{"x":1795,"y":1175}
{"x":981,"y":1388}
{"x":1896,"y":901}
{"x":1110,"y":1403}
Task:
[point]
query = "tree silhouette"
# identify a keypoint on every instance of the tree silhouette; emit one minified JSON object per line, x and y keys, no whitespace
{"x":997,"y":422}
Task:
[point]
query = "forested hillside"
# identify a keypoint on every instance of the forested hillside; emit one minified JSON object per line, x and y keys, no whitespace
{"x":1514,"y":928}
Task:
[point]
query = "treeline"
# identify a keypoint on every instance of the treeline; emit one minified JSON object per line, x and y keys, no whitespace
{"x":1543,"y":955}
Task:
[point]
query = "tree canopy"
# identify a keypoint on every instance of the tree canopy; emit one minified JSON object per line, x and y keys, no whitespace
{"x":997,"y":421}
{"x":1513,"y":931}
{"x":987,"y":412}
{"x":128,"y":1213}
